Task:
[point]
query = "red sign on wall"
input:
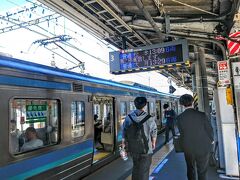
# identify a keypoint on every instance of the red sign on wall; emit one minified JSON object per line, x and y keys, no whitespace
{"x":222,"y":65}
{"x":22,"y":120}
{"x":223,"y":73}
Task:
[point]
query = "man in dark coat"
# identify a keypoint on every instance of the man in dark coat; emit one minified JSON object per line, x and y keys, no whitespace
{"x":196,"y":137}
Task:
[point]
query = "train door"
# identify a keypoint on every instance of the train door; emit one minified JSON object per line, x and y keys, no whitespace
{"x":103,"y":108}
{"x":174,"y":106}
{"x":159,"y":115}
{"x":122,"y":113}
{"x":163,"y":120}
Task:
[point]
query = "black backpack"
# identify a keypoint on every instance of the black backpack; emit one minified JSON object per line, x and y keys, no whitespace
{"x":136,"y":140}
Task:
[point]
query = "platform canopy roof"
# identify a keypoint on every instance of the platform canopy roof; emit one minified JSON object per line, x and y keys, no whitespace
{"x":134,"y":23}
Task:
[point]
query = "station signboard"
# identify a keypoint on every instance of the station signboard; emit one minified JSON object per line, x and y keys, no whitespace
{"x":223,"y":73}
{"x":149,"y":58}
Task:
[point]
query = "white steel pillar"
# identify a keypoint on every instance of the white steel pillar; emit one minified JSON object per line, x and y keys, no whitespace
{"x":228,"y":129}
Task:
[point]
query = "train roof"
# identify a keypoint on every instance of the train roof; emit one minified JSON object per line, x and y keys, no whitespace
{"x":138,"y":85}
{"x":14,"y":63}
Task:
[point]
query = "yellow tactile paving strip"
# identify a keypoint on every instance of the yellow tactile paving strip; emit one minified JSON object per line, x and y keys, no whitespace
{"x":158,"y":157}
{"x":100,"y":155}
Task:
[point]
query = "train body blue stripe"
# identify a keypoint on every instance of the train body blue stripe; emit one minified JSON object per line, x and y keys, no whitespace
{"x":17,"y":81}
{"x":112,"y":91}
{"x":105,"y":91}
{"x":38,"y":68}
{"x":29,"y":167}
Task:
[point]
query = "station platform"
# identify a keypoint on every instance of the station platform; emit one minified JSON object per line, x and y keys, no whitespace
{"x":166,"y":165}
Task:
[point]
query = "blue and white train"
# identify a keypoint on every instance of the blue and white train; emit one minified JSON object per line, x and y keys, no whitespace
{"x":77,"y":117}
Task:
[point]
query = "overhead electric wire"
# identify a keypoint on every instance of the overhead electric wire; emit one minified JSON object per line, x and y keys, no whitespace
{"x":65,"y":43}
{"x":74,"y":47}
{"x":60,"y":55}
{"x":68,"y":44}
{"x":106,"y":44}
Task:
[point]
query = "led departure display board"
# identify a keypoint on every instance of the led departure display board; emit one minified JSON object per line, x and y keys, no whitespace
{"x":148,"y":57}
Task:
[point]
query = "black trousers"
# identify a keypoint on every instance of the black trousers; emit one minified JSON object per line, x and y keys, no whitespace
{"x":141,"y":166}
{"x":167,"y":129}
{"x":197,"y":163}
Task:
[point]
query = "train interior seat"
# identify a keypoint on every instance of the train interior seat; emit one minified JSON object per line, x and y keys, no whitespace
{"x":42,"y":134}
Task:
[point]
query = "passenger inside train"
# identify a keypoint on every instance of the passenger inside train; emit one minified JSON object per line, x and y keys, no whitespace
{"x":33,"y":141}
{"x":14,"y":136}
{"x":98,"y":130}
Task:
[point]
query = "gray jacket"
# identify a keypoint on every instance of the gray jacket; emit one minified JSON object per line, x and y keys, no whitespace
{"x":150,"y":127}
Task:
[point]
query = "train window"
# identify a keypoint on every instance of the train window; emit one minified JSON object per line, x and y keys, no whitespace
{"x":78,"y":118}
{"x":33,"y":124}
{"x":132,"y":106}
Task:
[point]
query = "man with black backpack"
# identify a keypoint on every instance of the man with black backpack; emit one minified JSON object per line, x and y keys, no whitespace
{"x":139,"y":138}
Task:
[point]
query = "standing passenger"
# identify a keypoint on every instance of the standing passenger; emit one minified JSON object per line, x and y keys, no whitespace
{"x":140,"y":148}
{"x":196,"y":137}
{"x":169,"y":114}
{"x":14,"y":137}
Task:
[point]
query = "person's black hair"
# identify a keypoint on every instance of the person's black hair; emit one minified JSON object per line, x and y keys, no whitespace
{"x":165,"y":106}
{"x":140,"y":102}
{"x":95,"y":117}
{"x":186,"y":100}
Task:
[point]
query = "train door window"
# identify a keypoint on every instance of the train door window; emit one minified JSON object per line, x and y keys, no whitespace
{"x":179,"y":108}
{"x":158,"y":115}
{"x":163,"y":118}
{"x":176,"y":107}
{"x":78,"y":118}
{"x":158,"y":110}
{"x":146,"y":108}
{"x":33,"y":124}
{"x":132,"y":106}
{"x":123,"y":112}
{"x":151,"y":109}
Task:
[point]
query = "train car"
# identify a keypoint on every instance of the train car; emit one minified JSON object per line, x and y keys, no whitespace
{"x":57,"y":124}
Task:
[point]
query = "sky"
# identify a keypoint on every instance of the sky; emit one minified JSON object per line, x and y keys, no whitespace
{"x":24,"y":44}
